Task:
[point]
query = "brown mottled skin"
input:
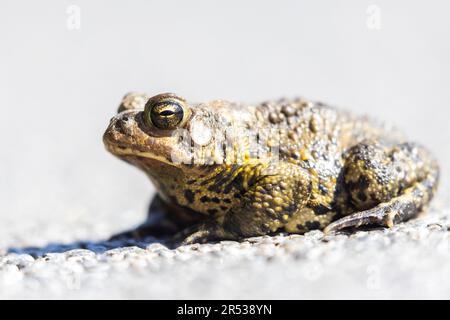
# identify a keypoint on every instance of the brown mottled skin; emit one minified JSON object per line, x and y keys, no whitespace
{"x":226,"y":170}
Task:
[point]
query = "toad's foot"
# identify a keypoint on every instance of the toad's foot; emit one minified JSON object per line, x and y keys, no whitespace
{"x":374,"y":217}
{"x":208,"y":231}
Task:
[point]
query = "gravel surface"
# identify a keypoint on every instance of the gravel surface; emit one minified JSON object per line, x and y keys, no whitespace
{"x":409,"y":261}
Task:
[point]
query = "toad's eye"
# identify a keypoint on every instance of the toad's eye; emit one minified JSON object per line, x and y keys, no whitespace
{"x":165,"y":111}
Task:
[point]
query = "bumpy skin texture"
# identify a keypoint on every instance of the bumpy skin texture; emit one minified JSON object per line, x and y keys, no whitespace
{"x":230,"y":170}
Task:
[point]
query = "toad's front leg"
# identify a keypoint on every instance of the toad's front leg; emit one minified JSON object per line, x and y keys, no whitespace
{"x":265,"y":207}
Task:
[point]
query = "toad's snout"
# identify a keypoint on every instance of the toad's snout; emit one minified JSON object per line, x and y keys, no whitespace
{"x":122,"y":125}
{"x":121,"y":130}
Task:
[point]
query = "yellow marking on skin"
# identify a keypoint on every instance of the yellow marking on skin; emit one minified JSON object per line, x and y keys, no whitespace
{"x":278,"y":201}
{"x":304,"y":215}
{"x":390,"y":219}
{"x":304,"y":155}
{"x":274,"y":225}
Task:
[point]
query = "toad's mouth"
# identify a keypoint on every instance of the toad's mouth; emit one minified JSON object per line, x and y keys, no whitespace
{"x":126,"y":152}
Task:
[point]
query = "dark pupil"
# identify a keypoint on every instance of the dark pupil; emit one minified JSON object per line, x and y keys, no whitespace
{"x":166,"y":113}
{"x":167,"y":118}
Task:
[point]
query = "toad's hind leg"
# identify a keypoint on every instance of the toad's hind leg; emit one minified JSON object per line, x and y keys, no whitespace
{"x":387,"y":185}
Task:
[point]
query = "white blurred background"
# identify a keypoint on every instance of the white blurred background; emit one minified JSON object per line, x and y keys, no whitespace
{"x":62,"y":76}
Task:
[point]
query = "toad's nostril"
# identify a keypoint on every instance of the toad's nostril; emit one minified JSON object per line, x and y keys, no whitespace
{"x":119,"y":126}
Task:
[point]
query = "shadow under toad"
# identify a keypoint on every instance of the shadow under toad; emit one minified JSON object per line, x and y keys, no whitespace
{"x":97,"y":247}
{"x":156,"y":229}
{"x":151,"y":231}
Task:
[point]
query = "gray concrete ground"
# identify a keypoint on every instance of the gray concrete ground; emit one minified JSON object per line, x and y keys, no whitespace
{"x":64,"y":68}
{"x":410,"y":260}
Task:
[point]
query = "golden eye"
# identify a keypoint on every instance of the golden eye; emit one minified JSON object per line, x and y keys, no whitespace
{"x":165,"y":111}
